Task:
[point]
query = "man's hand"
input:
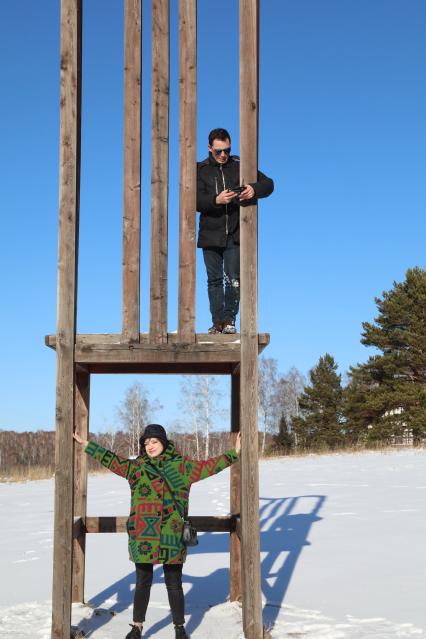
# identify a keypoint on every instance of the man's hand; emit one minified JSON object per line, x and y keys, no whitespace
{"x":79,"y":439}
{"x":225,"y":197}
{"x":248,"y":193}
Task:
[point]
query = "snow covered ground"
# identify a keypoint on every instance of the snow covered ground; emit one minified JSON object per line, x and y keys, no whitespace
{"x":342,"y":554}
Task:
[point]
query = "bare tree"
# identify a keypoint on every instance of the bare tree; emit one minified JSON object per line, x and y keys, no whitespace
{"x":109,"y":434}
{"x":268,"y":381}
{"x":134,"y":412}
{"x":189,"y":404}
{"x":177,"y":432}
{"x":289,"y":388}
{"x":200,"y":402}
{"x":205,"y":403}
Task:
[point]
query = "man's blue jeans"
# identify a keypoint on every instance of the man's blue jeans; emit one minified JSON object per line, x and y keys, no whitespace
{"x":223,"y":280}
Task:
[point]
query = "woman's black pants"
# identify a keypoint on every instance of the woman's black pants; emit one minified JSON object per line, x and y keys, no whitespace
{"x":173,"y":579}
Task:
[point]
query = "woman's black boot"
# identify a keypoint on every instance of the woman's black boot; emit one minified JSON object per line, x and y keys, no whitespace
{"x":180,"y":633}
{"x":135,"y":633}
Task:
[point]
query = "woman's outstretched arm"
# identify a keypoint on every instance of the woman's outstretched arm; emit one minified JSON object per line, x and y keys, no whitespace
{"x":120,"y":466}
{"x":197,"y":469}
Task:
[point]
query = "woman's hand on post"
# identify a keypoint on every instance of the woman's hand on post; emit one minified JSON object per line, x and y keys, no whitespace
{"x":79,"y":439}
{"x":238,"y":444}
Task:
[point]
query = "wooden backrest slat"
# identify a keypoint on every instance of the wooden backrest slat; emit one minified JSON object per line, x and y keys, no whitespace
{"x":132,"y":171}
{"x":188,"y":168}
{"x":160,"y":170}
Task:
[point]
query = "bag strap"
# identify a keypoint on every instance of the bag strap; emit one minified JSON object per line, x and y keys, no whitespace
{"x":170,"y":490}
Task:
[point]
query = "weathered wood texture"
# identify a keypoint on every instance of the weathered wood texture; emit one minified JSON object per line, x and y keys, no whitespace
{"x":132,"y":171}
{"x":92,"y":339}
{"x":235,"y":544}
{"x":188,"y":168}
{"x":69,"y":187}
{"x":160,"y":170}
{"x":118,"y":524}
{"x":104,"y":353}
{"x":81,"y":421}
{"x":249,"y":92}
{"x":161,"y":368}
{"x":210,"y":354}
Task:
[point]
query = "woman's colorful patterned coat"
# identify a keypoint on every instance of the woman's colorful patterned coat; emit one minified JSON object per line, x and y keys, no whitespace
{"x":154,"y":525}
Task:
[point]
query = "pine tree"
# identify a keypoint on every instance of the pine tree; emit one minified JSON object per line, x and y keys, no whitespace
{"x":358,"y":414}
{"x":386,"y":396}
{"x":284,"y":439}
{"x":320,"y":422}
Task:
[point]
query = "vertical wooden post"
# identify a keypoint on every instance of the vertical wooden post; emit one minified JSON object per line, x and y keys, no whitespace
{"x":69,"y":196}
{"x":132,"y":171}
{"x":81,"y":420}
{"x":160,"y":170}
{"x":249,"y":92}
{"x":235,"y":544}
{"x":188,"y":167}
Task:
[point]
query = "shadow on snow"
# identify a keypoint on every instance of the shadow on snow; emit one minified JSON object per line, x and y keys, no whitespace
{"x":285,"y":526}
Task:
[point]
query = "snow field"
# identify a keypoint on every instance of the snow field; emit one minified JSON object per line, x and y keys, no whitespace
{"x":342,"y":549}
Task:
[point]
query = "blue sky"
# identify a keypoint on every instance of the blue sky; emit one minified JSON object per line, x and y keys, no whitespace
{"x":342,"y":133}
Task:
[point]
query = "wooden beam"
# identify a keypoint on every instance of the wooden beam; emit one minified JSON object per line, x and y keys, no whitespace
{"x":235,"y":545}
{"x":69,"y":199}
{"x":105,"y":354}
{"x":249,"y":107}
{"x":160,"y":170}
{"x":92,"y":339}
{"x":118,"y":524}
{"x":188,"y":167}
{"x":161,"y":368}
{"x":132,"y":171}
{"x":81,"y":419}
{"x":157,"y":353}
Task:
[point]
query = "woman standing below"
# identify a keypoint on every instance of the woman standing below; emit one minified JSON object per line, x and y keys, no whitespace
{"x":155,"y":523}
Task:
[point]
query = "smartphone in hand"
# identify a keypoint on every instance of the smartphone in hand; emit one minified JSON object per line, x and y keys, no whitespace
{"x":237,"y":189}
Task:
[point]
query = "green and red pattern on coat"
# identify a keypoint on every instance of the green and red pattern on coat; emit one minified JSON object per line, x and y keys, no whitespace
{"x":154,"y":526}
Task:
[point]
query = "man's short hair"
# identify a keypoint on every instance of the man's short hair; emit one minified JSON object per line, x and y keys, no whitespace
{"x":218,"y":134}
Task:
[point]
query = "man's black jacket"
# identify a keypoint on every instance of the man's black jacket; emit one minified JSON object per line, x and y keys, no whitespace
{"x":216,"y":220}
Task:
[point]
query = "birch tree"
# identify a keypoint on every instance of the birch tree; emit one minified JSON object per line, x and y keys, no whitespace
{"x":189,"y":405}
{"x":200,"y":402}
{"x":135,"y":412}
{"x":289,"y":389}
{"x":268,"y":381}
{"x":110,"y":435}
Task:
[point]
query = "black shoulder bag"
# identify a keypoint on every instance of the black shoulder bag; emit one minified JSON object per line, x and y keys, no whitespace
{"x":189,"y":532}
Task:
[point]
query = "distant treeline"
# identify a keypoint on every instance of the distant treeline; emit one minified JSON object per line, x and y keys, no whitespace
{"x":31,"y":455}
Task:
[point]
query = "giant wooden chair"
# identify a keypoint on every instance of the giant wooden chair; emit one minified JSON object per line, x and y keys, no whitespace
{"x":158,"y":351}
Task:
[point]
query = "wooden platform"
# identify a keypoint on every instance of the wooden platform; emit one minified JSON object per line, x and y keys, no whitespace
{"x":111,"y":353}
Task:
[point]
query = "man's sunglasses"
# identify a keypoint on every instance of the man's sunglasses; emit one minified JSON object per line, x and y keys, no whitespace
{"x":219,"y":151}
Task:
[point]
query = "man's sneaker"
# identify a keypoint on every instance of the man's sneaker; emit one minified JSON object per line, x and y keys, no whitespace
{"x":135,"y":633}
{"x":180,"y":633}
{"x":216,"y":328}
{"x":229,"y":327}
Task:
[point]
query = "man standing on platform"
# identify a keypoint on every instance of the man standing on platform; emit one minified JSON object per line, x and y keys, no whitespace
{"x":220,"y":193}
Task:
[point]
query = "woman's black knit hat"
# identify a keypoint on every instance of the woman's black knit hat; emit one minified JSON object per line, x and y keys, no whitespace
{"x":154,"y":430}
